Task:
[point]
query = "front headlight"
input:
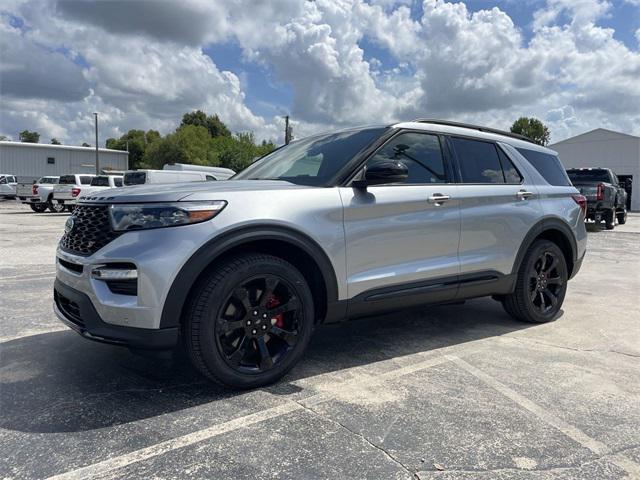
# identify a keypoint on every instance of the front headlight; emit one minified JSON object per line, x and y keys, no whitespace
{"x":158,"y":215}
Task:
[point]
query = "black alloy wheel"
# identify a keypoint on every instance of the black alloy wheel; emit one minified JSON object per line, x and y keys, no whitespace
{"x":56,"y":207}
{"x":541,"y":284}
{"x":249,"y":320}
{"x":258,"y":324}
{"x":545,"y":282}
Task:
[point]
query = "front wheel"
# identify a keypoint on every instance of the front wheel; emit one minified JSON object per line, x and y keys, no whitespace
{"x":541,"y":284}
{"x":56,"y":207}
{"x":622,"y":216}
{"x":249,"y":321}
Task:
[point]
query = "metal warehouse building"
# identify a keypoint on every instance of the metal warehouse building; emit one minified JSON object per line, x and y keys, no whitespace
{"x":605,"y":148}
{"x":30,"y":161}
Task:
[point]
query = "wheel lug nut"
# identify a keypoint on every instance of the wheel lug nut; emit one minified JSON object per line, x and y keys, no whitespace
{"x":255,"y":313}
{"x":254,"y":331}
{"x":264,"y":327}
{"x":248,"y":322}
{"x":264,"y":315}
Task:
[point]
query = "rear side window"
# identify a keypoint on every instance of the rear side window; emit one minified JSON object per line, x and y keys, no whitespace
{"x":211,"y":178}
{"x":135,"y":178}
{"x":511,"y":173}
{"x":67,"y":180}
{"x":547,"y":165}
{"x":479,"y":161}
{"x":85,"y":180}
{"x":588,"y":175}
{"x":117,"y":182}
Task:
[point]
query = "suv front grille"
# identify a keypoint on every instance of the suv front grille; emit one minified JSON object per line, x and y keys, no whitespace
{"x":91,"y":230}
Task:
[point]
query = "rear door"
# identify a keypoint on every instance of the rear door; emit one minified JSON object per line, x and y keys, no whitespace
{"x":498,"y":206}
{"x":404,"y":235}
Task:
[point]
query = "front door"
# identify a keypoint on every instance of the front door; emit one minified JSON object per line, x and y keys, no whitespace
{"x":402,"y":239}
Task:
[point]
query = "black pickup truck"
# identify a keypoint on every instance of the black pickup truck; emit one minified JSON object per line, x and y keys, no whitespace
{"x":606,"y":198}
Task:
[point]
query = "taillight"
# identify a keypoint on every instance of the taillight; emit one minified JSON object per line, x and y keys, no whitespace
{"x":75,"y":192}
{"x":582,"y":201}
{"x":600,"y":192}
{"x":34,"y":189}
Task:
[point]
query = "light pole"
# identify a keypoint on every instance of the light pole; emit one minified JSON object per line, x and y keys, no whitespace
{"x":95,"y":115}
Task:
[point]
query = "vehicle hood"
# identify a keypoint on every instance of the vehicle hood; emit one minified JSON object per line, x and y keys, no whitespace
{"x":182,"y":191}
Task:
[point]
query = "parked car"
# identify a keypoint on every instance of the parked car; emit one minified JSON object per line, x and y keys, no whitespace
{"x":143,"y":177}
{"x":8,"y":184}
{"x":340,"y":225}
{"x":102,"y":182}
{"x":68,"y":189}
{"x":219,"y":173}
{"x":606,"y":198}
{"x":39,"y":195}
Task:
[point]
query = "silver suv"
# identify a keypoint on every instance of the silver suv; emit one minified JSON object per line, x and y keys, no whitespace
{"x":333,"y":226}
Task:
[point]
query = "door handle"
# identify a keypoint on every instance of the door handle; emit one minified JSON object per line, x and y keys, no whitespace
{"x":524,"y":195}
{"x":438,"y":198}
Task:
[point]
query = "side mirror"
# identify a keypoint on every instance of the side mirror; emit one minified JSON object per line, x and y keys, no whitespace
{"x":384,"y":171}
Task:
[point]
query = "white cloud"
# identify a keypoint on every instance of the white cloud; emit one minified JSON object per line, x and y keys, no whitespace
{"x":145,"y":64}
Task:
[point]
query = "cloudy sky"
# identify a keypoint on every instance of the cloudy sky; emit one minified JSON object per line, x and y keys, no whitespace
{"x":575,"y":64}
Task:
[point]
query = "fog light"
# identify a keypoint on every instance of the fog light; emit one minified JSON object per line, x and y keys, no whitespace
{"x":110,"y":273}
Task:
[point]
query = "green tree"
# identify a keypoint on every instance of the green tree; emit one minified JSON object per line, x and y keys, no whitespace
{"x":166,"y":150}
{"x":29,"y":137}
{"x":212,"y":123}
{"x":532,"y":128}
{"x":239,"y":151}
{"x":55,"y":141}
{"x":136,"y":143}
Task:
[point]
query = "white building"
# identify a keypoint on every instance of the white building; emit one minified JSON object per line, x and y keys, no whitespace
{"x":30,"y":161}
{"x":605,"y":148}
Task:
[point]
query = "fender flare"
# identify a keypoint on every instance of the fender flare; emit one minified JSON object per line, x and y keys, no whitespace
{"x":214,"y":248}
{"x":544,"y":225}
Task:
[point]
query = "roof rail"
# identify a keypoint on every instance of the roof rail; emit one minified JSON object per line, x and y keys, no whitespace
{"x":475,"y":127}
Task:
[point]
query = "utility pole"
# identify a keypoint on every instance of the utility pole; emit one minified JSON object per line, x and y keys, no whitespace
{"x":95,"y":115}
{"x":287,"y":131}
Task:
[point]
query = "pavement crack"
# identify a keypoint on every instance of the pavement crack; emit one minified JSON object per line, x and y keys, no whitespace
{"x":574,"y":349}
{"x":412,"y":474}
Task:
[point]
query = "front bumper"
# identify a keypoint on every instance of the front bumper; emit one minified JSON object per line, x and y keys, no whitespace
{"x":75,"y":310}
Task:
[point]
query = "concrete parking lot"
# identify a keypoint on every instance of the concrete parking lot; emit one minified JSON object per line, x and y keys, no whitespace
{"x":445,"y":392}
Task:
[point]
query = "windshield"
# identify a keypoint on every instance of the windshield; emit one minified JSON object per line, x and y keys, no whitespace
{"x":588,"y":175}
{"x":100,"y":182}
{"x":313,"y":160}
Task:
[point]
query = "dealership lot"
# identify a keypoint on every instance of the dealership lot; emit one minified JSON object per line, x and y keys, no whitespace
{"x":444,"y":392}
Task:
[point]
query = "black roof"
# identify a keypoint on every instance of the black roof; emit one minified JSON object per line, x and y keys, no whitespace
{"x":475,"y":127}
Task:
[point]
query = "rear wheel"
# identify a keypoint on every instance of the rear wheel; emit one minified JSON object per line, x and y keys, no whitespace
{"x":540,"y":286}
{"x":38,"y":207}
{"x":622,"y":216}
{"x":249,"y":321}
{"x":610,"y":219}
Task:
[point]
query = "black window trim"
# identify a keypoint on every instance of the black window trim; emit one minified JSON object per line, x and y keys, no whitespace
{"x":446,"y":159}
{"x":496,"y":146}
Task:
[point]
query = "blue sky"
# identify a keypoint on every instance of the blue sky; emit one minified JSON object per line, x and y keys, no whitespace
{"x":327,"y":63}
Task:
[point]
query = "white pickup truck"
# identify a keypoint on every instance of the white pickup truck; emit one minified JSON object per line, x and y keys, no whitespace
{"x":8,"y":185}
{"x":39,"y":195}
{"x":101,"y":182}
{"x":69,"y":187}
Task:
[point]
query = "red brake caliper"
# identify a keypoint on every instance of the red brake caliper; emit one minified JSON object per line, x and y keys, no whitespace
{"x":273,"y":302}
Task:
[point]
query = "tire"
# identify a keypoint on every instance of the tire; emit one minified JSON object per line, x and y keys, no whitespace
{"x":246,"y":350}
{"x":610,"y":219}
{"x":539,"y":282}
{"x":56,"y":207}
{"x":622,"y":217}
{"x":38,"y":207}
{"x":69,"y":208}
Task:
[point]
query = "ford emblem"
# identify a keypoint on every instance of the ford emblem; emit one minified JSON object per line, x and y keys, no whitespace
{"x":69,"y":224}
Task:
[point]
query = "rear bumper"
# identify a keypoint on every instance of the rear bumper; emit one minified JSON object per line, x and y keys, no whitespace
{"x":75,"y":310}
